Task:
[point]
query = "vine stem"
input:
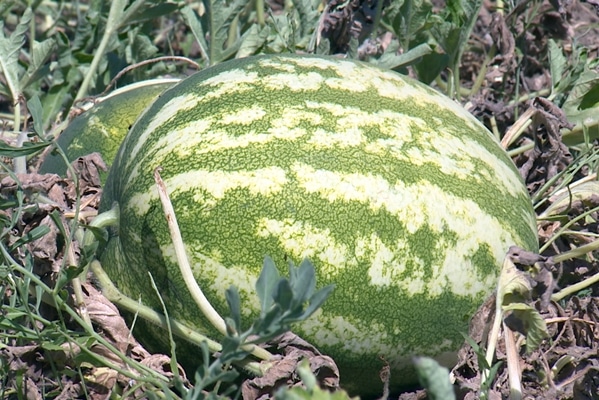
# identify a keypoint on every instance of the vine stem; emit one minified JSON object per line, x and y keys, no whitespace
{"x":57,"y":302}
{"x":179,"y":329}
{"x":192,"y":285}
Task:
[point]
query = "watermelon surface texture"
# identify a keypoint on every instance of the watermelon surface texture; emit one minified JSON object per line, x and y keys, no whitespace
{"x":397,"y":195}
{"x":103,"y":126}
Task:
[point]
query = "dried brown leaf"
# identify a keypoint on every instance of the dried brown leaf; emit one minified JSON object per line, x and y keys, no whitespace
{"x":283,"y":369}
{"x":549,"y":155}
{"x":107,"y":319}
{"x":88,"y":170}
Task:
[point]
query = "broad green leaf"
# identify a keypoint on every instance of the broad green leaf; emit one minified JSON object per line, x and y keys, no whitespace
{"x":308,"y":16}
{"x":234,"y":302}
{"x":255,"y":39}
{"x":265,"y":284}
{"x":54,"y":102}
{"x":431,"y":66}
{"x":38,"y":69}
{"x":581,"y":110}
{"x":30,"y":236}
{"x":453,"y":33}
{"x":10,"y":47}
{"x":27,"y":149}
{"x":194,"y":24}
{"x":317,"y":300}
{"x":590,"y":98}
{"x":448,"y":35}
{"x":152,"y":12}
{"x":533,"y":323}
{"x":34,"y":105}
{"x":557,"y":63}
{"x":219,"y":30}
{"x":391,"y":60}
{"x":283,"y":294}
{"x":304,"y":283}
{"x":139,"y":47}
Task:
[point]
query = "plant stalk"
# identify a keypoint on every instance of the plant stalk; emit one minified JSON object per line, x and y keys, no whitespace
{"x":192,"y":285}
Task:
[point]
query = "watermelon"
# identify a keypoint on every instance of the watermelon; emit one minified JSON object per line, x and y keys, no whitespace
{"x":104,"y":124}
{"x":394,"y":192}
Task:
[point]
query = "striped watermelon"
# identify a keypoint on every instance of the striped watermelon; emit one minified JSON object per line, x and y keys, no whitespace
{"x":397,"y":195}
{"x":104,"y":124}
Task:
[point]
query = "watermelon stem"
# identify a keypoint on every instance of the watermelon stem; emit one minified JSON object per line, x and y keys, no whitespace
{"x":107,"y":218}
{"x":192,"y":285}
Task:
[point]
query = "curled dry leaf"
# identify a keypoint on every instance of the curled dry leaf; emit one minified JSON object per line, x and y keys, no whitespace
{"x":36,"y":365}
{"x":101,"y":381}
{"x":88,"y":170}
{"x":345,"y":20}
{"x":505,"y":60}
{"x":283,"y":369}
{"x":417,"y":395}
{"x":549,"y":155}
{"x":539,"y":272}
{"x":108,"y":321}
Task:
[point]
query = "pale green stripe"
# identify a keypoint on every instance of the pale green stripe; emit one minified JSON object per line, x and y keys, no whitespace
{"x":211,"y":186}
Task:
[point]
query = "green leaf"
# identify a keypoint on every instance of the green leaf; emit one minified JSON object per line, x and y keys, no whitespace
{"x":303,"y":282}
{"x":54,"y":101}
{"x":283,"y":294}
{"x":411,"y":20}
{"x":265,"y":284}
{"x":234,"y":302}
{"x":431,"y":66}
{"x":448,"y":35}
{"x":220,"y":23}
{"x":34,"y":105}
{"x":317,"y":300}
{"x":486,"y":385}
{"x":9,"y":53}
{"x":391,"y":60}
{"x":38,"y":69}
{"x":479,"y":351}
{"x":453,"y":32}
{"x":434,"y":378}
{"x":194,"y":24}
{"x":27,"y":149}
{"x":308,"y":16}
{"x":30,"y":236}
{"x":557,"y":63}
{"x":255,"y":39}
{"x":152,"y":12}
{"x":590,"y":98}
{"x":531,"y":321}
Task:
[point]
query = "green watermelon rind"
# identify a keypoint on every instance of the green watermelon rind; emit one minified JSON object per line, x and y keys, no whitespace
{"x":319,"y":144}
{"x":103,"y":124}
